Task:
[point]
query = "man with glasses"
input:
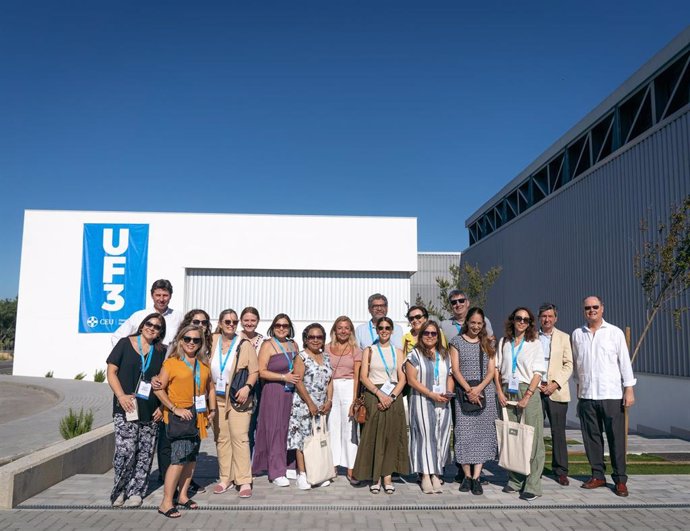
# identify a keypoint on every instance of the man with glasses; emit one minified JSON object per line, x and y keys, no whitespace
{"x":460,"y":304}
{"x":605,"y":381}
{"x":555,"y":392}
{"x":161,"y":293}
{"x":366,"y":333}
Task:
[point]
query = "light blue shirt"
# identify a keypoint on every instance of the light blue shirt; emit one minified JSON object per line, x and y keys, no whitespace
{"x":366,"y":335}
{"x":546,"y":347}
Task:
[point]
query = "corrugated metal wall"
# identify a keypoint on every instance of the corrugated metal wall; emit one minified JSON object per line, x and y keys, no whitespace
{"x":304,"y":295}
{"x":582,"y":240}
{"x":429,"y":267}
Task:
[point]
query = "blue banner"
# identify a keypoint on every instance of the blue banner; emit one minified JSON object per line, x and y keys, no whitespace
{"x":113,"y":275}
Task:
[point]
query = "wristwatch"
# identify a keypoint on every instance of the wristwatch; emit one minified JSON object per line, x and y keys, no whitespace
{"x":392,"y":395}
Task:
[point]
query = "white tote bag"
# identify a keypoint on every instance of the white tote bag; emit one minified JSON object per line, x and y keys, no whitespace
{"x":515,"y":441}
{"x":318,"y":459}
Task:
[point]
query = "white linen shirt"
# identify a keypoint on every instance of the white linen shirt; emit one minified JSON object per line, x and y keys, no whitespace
{"x":601,"y":362}
{"x":173,"y":318}
{"x":529,"y":361}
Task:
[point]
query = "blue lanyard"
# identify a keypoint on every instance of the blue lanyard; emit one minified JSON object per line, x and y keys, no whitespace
{"x":516,"y":354}
{"x":384,"y":359}
{"x":197,"y":376}
{"x":287,"y":356}
{"x":224,"y":362}
{"x":145,"y":361}
{"x":457,"y":326}
{"x":374,"y":339}
{"x":436,"y":372}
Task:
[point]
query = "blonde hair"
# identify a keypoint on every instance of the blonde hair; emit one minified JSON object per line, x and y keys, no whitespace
{"x":178,"y":352}
{"x":344,"y":319}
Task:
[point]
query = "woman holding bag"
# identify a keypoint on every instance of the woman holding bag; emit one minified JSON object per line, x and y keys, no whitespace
{"x":520,"y":366}
{"x":473,"y":366}
{"x":190,"y":400}
{"x":313,"y":397}
{"x":231,"y":353}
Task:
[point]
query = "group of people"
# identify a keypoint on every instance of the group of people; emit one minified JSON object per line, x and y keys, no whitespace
{"x":173,"y":377}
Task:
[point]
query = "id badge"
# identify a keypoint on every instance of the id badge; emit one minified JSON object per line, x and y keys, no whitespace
{"x":200,"y":403}
{"x":440,"y":389}
{"x":387,"y":388}
{"x":514,"y":384}
{"x":220,"y":386}
{"x":143,"y":390}
{"x":289,"y":388}
{"x":133,"y":415}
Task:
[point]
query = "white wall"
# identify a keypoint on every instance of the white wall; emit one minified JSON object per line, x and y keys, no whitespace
{"x":50,"y":275}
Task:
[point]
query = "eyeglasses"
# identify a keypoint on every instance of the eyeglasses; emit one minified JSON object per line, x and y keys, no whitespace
{"x":315,"y":338}
{"x":149,"y":324}
{"x":230,"y":322}
{"x":378,"y":306}
{"x":281,"y":325}
{"x":588,"y":308}
{"x":197,"y":322}
{"x":429,"y":333}
{"x":457,"y":301}
{"x":195,"y":340}
{"x":417,"y":317}
{"x":520,"y":319}
{"x":380,"y":328}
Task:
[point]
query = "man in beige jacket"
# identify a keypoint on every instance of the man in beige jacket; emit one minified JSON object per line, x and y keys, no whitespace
{"x":555,"y":392}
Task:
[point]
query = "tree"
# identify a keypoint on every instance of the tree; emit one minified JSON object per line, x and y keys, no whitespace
{"x":663,"y":267}
{"x":469,"y":279}
{"x":8,"y":322}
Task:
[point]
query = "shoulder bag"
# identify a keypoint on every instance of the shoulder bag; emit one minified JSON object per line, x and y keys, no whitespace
{"x":179,"y":428}
{"x":318,"y":459}
{"x":238,"y":381}
{"x":515,"y":440}
{"x":465,"y":405}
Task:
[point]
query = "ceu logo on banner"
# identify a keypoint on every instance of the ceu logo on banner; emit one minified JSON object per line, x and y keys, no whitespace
{"x":113,"y":275}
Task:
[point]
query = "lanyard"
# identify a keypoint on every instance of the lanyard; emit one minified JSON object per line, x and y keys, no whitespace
{"x":457,"y":326}
{"x":197,"y":376}
{"x":436,"y":371}
{"x":287,"y":356}
{"x":224,"y":362}
{"x":374,"y":339}
{"x":145,"y":360}
{"x":516,"y":354}
{"x":384,"y":359}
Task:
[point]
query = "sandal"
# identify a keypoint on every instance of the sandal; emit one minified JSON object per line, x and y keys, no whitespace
{"x":245,"y":491}
{"x":190,"y":504}
{"x":170,"y":513}
{"x":390,"y":489}
{"x":220,"y":488}
{"x":375,"y":489}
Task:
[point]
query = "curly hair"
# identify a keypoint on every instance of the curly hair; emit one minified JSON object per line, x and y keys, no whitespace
{"x":187,"y":320}
{"x":509,"y":326}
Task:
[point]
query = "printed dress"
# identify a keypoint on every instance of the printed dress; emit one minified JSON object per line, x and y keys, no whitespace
{"x":315,"y":380}
{"x":475,"y":433}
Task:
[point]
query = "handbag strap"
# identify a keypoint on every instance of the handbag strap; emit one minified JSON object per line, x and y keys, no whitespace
{"x":481,"y":362}
{"x":237,"y":358}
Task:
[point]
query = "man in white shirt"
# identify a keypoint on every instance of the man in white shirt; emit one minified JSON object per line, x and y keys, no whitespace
{"x":366,"y":333}
{"x":605,"y":381}
{"x":460,"y":303}
{"x":161,"y":293}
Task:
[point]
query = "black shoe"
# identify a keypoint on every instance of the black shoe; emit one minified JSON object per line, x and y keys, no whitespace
{"x":195,"y":488}
{"x":528,"y":496}
{"x":483,"y":480}
{"x":477,"y":489}
{"x":508,"y":489}
{"x":466,"y":485}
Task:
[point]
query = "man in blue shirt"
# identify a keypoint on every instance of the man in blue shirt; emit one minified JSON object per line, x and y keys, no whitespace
{"x":366,"y":333}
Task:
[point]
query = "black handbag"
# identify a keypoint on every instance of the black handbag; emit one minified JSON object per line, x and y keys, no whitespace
{"x":465,"y":405}
{"x":239,"y":380}
{"x":179,"y":428}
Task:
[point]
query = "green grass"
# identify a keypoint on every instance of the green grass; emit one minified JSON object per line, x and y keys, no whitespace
{"x":643,"y":464}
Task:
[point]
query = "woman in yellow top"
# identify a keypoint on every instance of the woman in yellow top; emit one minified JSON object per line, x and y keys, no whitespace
{"x":186,"y":382}
{"x":417,"y":316}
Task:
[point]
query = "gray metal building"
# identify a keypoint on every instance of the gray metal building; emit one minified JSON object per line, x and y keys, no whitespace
{"x":431,"y":266}
{"x":569,"y":225}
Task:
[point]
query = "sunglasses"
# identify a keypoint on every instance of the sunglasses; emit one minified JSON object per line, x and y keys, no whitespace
{"x":379,"y":328}
{"x":457,"y":301}
{"x":230,"y":322}
{"x":429,"y":333}
{"x":281,"y":325}
{"x":520,"y":319}
{"x":315,"y":338}
{"x":417,"y":317}
{"x":588,"y":308}
{"x":195,"y":340}
{"x":197,"y":322}
{"x":149,"y":324}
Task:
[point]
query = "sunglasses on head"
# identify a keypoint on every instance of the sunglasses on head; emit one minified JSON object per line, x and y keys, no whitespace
{"x":200,"y":322}
{"x":195,"y":340}
{"x":149,"y":324}
{"x":457,"y":301}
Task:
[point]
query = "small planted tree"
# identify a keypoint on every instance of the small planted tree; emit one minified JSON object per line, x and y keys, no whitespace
{"x":99,"y":376}
{"x":468,"y":278}
{"x":663,"y":267}
{"x":74,"y":424}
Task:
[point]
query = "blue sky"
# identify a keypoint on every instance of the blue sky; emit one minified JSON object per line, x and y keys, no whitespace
{"x":391,"y":108}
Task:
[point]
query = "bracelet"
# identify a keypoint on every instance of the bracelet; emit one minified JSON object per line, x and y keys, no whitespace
{"x":211,"y":410}
{"x":249,"y":385}
{"x":529,"y":391}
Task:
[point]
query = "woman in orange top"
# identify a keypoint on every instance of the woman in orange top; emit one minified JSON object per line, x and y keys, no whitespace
{"x":185,"y":370}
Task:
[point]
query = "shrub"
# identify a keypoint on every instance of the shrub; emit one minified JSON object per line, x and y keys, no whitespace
{"x":80,"y":376}
{"x":74,"y":424}
{"x":99,"y":376}
{"x":49,"y":374}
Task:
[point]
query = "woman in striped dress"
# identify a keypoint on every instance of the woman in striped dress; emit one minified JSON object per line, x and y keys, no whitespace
{"x":428,"y":374}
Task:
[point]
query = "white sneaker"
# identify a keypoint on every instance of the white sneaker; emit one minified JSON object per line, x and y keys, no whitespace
{"x":281,"y":481}
{"x":120,"y":500}
{"x":325,"y":483}
{"x":133,"y":501}
{"x":302,"y":482}
{"x":291,"y":473}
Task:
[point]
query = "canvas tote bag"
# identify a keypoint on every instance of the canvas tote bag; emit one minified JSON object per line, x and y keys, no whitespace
{"x":515,"y":441}
{"x":318,"y":459}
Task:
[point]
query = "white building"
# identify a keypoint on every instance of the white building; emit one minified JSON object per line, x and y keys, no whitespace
{"x":314,"y":268}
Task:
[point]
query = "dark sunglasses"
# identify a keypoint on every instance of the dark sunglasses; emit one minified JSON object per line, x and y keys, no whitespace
{"x":588,"y":308}
{"x":229,"y":322}
{"x":519,"y":319}
{"x":195,"y":340}
{"x":315,"y":338}
{"x":197,"y":322}
{"x":429,"y":333}
{"x":417,"y":317}
{"x":281,"y":325}
{"x":457,"y":301}
{"x":384,"y":328}
{"x":149,"y":324}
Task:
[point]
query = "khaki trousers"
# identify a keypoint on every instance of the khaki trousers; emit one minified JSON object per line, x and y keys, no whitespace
{"x":231,"y":433}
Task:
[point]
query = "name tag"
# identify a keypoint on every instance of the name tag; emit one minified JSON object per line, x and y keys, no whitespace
{"x":220,"y":386}
{"x":144,"y":390}
{"x":200,"y":403}
{"x":513,"y":384}
{"x":289,"y":388}
{"x":440,"y":389}
{"x":387,"y":388}
{"x":133,"y":415}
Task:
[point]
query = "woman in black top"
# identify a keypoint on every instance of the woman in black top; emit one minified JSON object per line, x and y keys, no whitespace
{"x":132,"y":363}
